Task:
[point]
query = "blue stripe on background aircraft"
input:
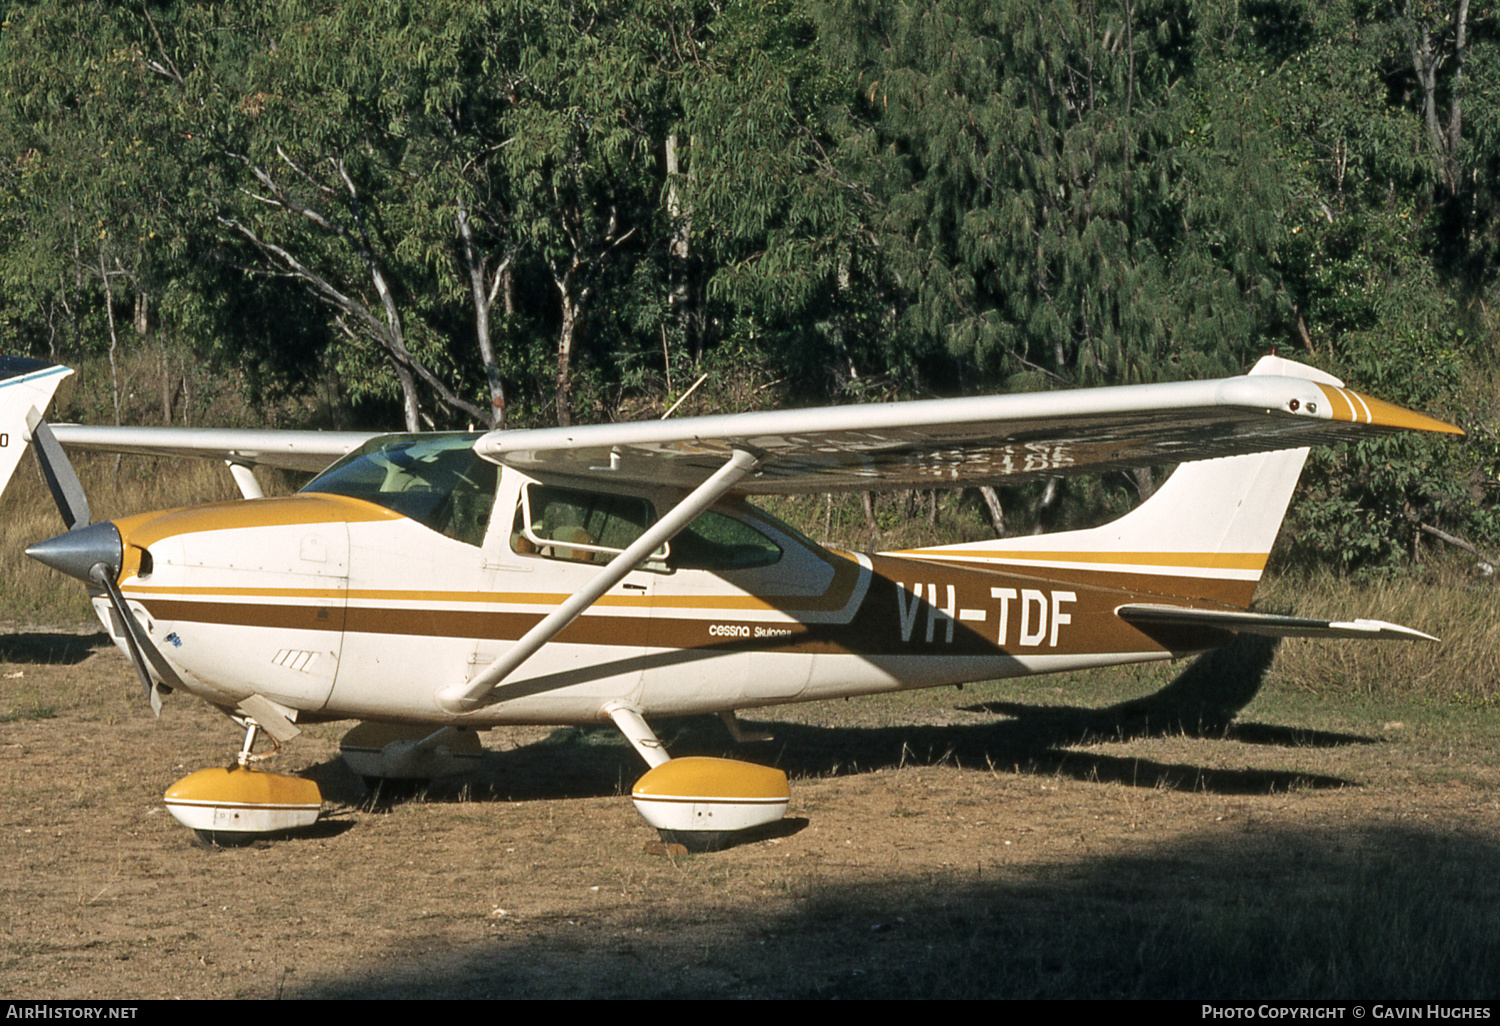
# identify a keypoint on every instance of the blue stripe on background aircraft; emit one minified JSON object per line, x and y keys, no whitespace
{"x":436,"y":585}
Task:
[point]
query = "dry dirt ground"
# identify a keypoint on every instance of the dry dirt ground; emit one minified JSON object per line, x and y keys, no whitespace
{"x":1000,"y":841}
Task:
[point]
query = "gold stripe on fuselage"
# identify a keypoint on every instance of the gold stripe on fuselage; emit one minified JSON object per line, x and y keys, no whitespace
{"x":1166,"y":561}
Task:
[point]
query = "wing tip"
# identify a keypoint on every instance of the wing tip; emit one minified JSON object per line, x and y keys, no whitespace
{"x":1345,"y":404}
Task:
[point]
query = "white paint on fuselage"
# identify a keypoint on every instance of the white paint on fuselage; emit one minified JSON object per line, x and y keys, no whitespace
{"x":401,"y":584}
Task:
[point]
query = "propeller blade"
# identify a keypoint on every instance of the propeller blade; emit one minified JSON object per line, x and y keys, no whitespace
{"x":67,"y":492}
{"x":142,"y":650}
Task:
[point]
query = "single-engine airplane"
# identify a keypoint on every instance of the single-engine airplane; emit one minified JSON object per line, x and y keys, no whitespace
{"x":436,"y":585}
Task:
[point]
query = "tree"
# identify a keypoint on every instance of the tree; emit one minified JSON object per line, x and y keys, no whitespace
{"x":94,"y":188}
{"x":1060,"y":199}
{"x":342,"y":141}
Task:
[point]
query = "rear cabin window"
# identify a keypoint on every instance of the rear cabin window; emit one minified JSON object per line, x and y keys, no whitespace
{"x":594,"y":527}
{"x":716,"y":542}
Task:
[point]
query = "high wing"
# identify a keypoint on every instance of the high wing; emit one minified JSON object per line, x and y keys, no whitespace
{"x":932,"y":443}
{"x":1279,"y":406}
{"x":239,"y":448}
{"x":922,"y":444}
{"x":309,"y":451}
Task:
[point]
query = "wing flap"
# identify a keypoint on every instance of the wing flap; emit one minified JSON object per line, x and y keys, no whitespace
{"x":1269,"y":624}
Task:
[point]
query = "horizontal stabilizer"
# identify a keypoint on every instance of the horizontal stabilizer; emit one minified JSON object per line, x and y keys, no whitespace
{"x":1269,"y":624}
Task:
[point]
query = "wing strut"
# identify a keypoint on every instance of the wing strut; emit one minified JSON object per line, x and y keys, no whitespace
{"x":475,"y":694}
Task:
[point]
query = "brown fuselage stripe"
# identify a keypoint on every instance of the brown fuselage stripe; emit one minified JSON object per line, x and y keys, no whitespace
{"x":886,"y":624}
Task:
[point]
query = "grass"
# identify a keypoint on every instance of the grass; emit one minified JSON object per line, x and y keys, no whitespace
{"x":27,"y":708}
{"x":1444,"y":600}
{"x":1236,"y":895}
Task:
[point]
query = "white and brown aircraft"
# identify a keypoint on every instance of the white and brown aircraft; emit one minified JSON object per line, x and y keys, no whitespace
{"x":437,"y":585}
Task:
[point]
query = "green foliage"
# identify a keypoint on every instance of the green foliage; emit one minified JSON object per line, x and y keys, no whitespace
{"x":1361,"y":503}
{"x":1060,"y":198}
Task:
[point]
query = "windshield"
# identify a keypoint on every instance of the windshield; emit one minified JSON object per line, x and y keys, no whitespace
{"x":438,"y":480}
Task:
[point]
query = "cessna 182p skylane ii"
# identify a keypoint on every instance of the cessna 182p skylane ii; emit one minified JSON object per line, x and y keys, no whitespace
{"x":446,"y":583}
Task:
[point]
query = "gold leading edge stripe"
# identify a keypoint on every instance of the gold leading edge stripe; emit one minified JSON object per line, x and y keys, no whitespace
{"x":1364,"y":406}
{"x":1339,"y":407}
{"x":1348,"y":405}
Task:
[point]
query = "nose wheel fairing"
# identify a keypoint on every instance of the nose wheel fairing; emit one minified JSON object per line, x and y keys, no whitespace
{"x":234,"y":804}
{"x":241,"y":801}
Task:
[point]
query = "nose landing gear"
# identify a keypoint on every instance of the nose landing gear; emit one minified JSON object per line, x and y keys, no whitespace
{"x":237,"y":804}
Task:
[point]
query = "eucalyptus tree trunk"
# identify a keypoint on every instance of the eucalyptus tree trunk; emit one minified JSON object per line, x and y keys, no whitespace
{"x":484,"y":286}
{"x":680,"y":305}
{"x":572,"y":311}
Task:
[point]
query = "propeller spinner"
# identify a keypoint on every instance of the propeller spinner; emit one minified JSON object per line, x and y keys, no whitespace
{"x":93,"y":554}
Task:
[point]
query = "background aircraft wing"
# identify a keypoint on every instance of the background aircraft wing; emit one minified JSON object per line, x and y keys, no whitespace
{"x":949,"y":442}
{"x":310,"y":451}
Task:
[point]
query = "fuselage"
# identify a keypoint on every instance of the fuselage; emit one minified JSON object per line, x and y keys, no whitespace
{"x":365,"y":595}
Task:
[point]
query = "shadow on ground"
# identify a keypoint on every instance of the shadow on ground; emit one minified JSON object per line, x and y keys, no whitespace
{"x":51,"y":648}
{"x":1202,"y":701}
{"x":1231,"y":914}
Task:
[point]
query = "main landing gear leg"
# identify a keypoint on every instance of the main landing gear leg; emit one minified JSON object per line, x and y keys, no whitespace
{"x":239,"y":804}
{"x":703,"y":804}
{"x":392,"y":759}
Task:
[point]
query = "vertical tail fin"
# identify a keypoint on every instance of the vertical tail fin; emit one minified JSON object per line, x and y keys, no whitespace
{"x":1205,"y":533}
{"x":26,"y":387}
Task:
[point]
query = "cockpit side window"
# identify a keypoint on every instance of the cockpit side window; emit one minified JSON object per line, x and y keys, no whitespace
{"x":437,"y":480}
{"x":583,"y":527}
{"x":593,"y":527}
